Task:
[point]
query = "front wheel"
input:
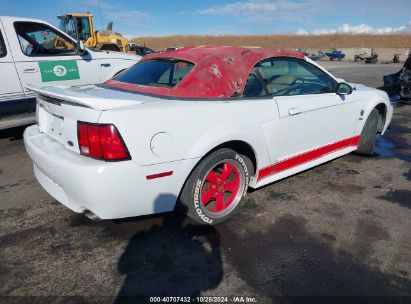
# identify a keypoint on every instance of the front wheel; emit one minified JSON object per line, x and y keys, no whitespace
{"x":369,"y":133}
{"x":216,"y":186}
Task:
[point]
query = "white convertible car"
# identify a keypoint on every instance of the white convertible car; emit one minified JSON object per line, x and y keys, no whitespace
{"x":194,"y":128}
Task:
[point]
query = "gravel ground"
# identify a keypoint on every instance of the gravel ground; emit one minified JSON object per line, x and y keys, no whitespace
{"x":342,"y":228}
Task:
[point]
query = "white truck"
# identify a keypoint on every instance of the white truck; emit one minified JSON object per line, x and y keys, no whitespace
{"x":34,"y":52}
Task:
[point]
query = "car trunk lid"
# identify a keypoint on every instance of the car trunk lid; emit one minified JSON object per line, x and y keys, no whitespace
{"x":92,"y":97}
{"x":59,"y":109}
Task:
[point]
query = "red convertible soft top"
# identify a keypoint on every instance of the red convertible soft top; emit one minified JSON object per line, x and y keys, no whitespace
{"x":219,"y":72}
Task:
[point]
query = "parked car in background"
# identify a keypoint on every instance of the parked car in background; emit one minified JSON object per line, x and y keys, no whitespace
{"x":303,"y":51}
{"x":373,"y":58}
{"x":334,"y":54}
{"x":400,"y":83}
{"x":37,"y":53}
{"x":396,"y":58}
{"x":316,"y":56}
{"x":139,"y":50}
{"x":196,"y":127}
{"x":360,"y":57}
{"x":173,"y":48}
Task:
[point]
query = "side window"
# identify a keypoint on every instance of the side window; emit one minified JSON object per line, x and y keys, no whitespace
{"x":40,"y":40}
{"x":256,"y":86}
{"x":3,"y":50}
{"x":83,"y":27}
{"x":71,"y":28}
{"x":287,"y":77}
{"x":175,"y":73}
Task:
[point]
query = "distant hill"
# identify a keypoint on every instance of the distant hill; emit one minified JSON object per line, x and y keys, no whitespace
{"x":281,"y":41}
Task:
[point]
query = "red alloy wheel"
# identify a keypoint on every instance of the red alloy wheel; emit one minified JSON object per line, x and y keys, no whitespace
{"x":220,"y":187}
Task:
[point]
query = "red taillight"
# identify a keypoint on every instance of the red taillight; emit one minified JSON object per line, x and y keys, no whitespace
{"x":101,"y":141}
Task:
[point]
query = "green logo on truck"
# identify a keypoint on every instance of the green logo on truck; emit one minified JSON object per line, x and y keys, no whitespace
{"x":59,"y":70}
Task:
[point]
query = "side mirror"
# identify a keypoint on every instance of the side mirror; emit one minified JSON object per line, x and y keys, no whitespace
{"x":343,"y":89}
{"x":81,"y":49}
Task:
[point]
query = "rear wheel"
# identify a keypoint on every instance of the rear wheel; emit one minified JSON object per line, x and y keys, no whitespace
{"x":369,"y":133}
{"x":216,"y":186}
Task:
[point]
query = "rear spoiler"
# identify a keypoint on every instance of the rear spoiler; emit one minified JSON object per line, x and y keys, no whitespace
{"x":65,"y":94}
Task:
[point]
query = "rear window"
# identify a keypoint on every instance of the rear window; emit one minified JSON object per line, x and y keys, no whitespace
{"x":156,"y":73}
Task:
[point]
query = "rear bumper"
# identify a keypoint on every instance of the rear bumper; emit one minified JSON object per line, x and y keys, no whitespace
{"x":107,"y":189}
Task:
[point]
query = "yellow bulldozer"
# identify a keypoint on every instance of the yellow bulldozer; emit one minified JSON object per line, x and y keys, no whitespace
{"x":81,"y":27}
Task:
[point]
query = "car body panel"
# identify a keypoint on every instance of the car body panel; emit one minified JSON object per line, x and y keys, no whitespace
{"x":103,"y":188}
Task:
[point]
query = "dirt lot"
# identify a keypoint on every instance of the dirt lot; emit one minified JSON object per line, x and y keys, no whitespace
{"x":281,"y":41}
{"x":342,"y":228}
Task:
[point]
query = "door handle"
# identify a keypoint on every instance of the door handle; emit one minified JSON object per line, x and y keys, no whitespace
{"x":30,"y":70}
{"x":105,"y":65}
{"x":294,"y":111}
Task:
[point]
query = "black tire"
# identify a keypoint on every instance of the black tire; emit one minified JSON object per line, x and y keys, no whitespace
{"x":197,"y":185}
{"x":366,"y":145}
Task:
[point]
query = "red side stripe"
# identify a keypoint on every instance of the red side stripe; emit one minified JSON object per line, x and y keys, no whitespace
{"x":158,"y":175}
{"x":306,"y":157}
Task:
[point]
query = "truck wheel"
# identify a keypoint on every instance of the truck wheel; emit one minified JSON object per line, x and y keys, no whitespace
{"x":216,"y":186}
{"x":366,"y":145}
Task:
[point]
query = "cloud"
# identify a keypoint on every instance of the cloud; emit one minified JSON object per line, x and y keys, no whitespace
{"x":248,"y":8}
{"x":302,"y":32}
{"x":254,"y":9}
{"x":301,"y":12}
{"x":130,"y":15}
{"x":118,"y":12}
{"x":358,"y":29}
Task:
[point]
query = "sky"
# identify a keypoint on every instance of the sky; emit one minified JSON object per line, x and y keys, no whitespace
{"x":217,"y":17}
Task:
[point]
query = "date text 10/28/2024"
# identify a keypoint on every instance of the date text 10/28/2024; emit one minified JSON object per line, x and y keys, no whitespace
{"x":204,"y":299}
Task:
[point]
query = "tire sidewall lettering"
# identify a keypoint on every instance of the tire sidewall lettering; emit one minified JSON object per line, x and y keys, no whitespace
{"x":197,"y":207}
{"x":246,"y":173}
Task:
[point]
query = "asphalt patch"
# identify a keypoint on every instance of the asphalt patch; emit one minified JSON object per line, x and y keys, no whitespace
{"x":289,"y":260}
{"x":400,"y":197}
